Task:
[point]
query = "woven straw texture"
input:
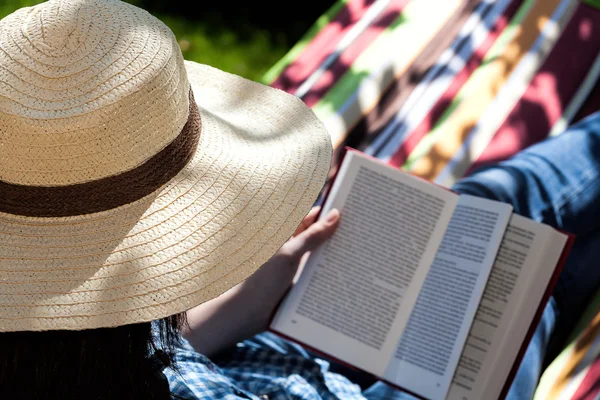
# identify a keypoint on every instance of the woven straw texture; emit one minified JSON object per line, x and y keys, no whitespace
{"x":91,"y":89}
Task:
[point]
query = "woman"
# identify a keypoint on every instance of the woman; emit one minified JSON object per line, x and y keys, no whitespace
{"x":139,"y":191}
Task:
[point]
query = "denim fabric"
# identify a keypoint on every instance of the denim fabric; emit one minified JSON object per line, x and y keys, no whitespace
{"x":556,"y":182}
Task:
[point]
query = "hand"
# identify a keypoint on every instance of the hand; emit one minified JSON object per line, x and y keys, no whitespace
{"x":246,"y":309}
{"x":263,"y":291}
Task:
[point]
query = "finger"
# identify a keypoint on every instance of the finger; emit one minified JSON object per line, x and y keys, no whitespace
{"x":310,"y":218}
{"x":313,"y":236}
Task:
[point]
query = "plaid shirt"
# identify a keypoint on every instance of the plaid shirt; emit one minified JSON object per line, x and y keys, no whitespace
{"x":264,"y":368}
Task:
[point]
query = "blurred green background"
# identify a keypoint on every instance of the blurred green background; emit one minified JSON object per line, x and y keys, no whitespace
{"x":242,"y":37}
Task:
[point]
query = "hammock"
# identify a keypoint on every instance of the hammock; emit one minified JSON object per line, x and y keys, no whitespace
{"x":442,"y":87}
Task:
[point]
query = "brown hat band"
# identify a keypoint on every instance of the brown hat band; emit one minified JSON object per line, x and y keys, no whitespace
{"x":106,"y":193}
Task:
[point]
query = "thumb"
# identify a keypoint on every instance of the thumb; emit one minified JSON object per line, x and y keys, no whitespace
{"x":313,"y":236}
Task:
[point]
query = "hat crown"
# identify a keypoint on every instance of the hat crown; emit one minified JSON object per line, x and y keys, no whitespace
{"x":60,"y":27}
{"x":88,"y":89}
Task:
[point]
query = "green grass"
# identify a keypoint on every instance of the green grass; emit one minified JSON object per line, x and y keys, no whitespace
{"x":213,"y":44}
{"x":593,"y":3}
{"x":248,"y":52}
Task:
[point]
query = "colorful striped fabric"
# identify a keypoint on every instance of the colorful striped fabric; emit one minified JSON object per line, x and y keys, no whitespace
{"x":575,"y":373}
{"x":440,"y":87}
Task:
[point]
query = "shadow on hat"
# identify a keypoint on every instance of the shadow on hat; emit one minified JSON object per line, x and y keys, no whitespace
{"x":133,"y":184}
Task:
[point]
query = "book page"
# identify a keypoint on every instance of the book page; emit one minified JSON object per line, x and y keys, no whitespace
{"x":355,"y":292}
{"x":430,"y":346}
{"x":527,"y":258}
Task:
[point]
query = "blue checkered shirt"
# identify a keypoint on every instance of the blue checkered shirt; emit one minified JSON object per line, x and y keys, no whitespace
{"x":265,"y":367}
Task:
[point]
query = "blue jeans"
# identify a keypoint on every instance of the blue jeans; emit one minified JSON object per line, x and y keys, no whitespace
{"x":556,"y":182}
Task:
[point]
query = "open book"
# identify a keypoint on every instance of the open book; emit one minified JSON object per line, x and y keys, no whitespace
{"x":434,"y":292}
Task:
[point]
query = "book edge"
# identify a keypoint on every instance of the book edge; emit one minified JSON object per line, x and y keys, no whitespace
{"x":539,"y":312}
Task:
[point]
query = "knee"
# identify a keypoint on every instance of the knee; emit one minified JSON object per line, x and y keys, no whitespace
{"x":496,"y":182}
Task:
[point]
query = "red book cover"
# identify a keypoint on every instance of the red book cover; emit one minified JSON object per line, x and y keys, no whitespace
{"x":531,"y":330}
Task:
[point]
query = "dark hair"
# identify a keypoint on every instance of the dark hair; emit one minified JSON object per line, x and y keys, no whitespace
{"x":106,"y":363}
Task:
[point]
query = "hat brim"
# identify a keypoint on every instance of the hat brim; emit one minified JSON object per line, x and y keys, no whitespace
{"x":262,"y":159}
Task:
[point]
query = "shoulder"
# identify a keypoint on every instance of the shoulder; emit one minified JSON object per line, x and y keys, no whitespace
{"x":194,"y":376}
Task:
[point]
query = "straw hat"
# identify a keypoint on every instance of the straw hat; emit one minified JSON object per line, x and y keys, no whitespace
{"x":133,"y":184}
